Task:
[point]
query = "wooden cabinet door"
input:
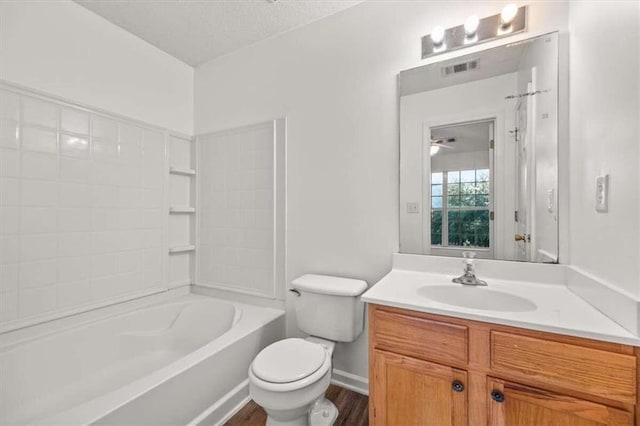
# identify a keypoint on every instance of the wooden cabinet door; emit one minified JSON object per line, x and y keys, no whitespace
{"x":511,"y":404}
{"x":409,"y":392}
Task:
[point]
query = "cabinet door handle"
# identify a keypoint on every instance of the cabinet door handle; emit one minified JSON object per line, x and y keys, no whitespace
{"x":457,"y":386}
{"x":497,"y":396}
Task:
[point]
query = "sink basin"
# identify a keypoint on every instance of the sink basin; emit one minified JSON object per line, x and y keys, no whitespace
{"x":480,"y":298}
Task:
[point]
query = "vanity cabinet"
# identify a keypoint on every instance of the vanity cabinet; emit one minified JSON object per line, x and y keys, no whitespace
{"x":410,"y":388}
{"x":515,"y":404}
{"x":434,"y":370}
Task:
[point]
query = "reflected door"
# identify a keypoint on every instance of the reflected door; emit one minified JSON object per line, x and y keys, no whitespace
{"x":522,"y":139}
{"x":459,"y":163}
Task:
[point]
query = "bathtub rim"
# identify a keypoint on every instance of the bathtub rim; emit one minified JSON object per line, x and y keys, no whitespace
{"x":41,"y":330}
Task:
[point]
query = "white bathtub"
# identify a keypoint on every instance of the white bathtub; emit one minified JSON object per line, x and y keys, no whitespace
{"x":173,"y":362}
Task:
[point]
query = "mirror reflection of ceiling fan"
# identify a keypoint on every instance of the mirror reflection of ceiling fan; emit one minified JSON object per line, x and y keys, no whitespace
{"x":436,"y":144}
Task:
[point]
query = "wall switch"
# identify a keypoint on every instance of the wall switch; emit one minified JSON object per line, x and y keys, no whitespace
{"x":413,"y":208}
{"x":602,"y":193}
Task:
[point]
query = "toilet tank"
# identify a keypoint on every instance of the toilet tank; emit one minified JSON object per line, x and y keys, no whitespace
{"x":330,"y":307}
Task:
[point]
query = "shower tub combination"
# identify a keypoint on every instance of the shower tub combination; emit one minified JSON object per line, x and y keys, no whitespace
{"x":177,"y":361}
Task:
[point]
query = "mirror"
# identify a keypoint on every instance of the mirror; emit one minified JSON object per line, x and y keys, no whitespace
{"x":479,"y":154}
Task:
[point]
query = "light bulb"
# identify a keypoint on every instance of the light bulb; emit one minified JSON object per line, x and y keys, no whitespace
{"x":434,"y":150}
{"x":437,"y":35}
{"x":508,"y":13}
{"x":471,"y":25}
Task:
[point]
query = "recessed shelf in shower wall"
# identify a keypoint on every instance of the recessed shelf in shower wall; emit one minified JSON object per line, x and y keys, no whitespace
{"x":181,"y":171}
{"x":182,"y":209}
{"x":181,"y":249}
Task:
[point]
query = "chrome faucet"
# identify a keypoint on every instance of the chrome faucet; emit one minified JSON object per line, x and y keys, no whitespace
{"x":469,"y":276}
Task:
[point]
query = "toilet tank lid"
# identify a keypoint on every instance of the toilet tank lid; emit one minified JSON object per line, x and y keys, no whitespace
{"x":325,"y":284}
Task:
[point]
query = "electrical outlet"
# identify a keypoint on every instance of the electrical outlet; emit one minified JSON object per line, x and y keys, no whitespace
{"x":602,"y":193}
{"x":413,"y":208}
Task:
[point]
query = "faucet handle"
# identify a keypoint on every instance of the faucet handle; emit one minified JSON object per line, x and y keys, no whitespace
{"x":467,"y":261}
{"x":469,"y":276}
{"x":469,"y":254}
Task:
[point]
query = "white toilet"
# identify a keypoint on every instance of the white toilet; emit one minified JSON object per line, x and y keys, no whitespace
{"x":289,"y":378}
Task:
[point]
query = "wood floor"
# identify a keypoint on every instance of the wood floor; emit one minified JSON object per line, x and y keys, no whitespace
{"x":353,"y":410}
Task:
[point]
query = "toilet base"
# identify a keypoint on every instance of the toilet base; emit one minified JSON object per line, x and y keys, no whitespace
{"x":323,"y":413}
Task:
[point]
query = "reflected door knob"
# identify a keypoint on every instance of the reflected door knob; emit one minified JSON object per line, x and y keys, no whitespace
{"x":519,"y":237}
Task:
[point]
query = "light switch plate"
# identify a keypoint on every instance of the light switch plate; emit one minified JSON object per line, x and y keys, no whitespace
{"x":602,"y":193}
{"x":413,"y":208}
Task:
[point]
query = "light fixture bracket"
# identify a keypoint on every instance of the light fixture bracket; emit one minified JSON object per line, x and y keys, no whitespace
{"x":489,"y":28}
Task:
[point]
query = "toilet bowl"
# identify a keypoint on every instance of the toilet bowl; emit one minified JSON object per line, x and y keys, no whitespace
{"x":289,"y":379}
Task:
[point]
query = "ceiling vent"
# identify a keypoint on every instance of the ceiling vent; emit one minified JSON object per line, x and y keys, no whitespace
{"x":461,"y":67}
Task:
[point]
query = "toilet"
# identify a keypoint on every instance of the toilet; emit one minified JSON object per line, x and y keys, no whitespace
{"x":289,"y":378}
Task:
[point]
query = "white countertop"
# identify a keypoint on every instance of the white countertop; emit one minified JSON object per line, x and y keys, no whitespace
{"x":558,"y":310}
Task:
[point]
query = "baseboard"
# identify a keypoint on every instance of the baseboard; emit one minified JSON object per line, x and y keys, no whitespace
{"x":615,"y":303}
{"x":225,"y":408}
{"x":350,"y":381}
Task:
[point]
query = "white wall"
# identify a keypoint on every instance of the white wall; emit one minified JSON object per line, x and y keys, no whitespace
{"x":605,"y":111}
{"x":483,"y":99}
{"x":63,"y":49}
{"x":335,"y":80}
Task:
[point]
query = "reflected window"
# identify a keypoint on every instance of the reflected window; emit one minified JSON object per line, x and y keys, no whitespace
{"x":460,"y":208}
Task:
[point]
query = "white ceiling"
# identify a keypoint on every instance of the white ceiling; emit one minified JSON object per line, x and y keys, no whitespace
{"x":196,"y":31}
{"x":470,"y":137}
{"x":491,"y":63}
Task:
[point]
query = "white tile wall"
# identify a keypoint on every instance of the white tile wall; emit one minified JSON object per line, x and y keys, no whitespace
{"x":236,"y":241}
{"x":82,"y":208}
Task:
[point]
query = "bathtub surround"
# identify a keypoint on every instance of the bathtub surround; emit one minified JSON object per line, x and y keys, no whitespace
{"x":182,"y":210}
{"x":241,"y":209}
{"x":83,"y":208}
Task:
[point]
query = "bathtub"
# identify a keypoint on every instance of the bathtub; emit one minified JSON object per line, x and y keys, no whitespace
{"x":175,"y":362}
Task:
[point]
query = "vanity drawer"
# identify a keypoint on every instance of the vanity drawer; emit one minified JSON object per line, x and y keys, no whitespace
{"x":578,"y":368}
{"x":420,"y":337}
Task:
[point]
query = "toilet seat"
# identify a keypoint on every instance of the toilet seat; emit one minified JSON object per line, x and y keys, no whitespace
{"x":288,"y":360}
{"x":289,"y":364}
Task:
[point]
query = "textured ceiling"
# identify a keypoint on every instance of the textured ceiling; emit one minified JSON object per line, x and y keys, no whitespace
{"x":196,"y":31}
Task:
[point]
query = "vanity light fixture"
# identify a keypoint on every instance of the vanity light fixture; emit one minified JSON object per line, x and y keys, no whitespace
{"x":437,"y":36}
{"x":511,"y":20}
{"x":507,"y":15}
{"x":471,"y":26}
